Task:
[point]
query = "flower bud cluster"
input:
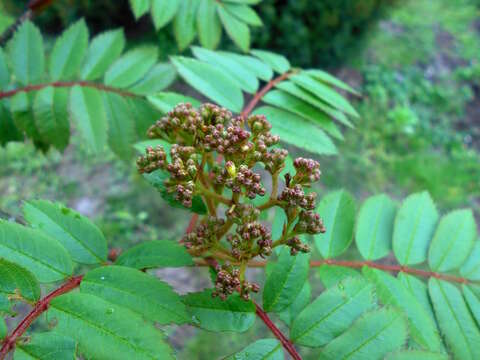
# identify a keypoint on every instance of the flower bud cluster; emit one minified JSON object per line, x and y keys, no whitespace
{"x":243,"y":179}
{"x":154,"y":159}
{"x":228,"y":281}
{"x":309,"y":223}
{"x":198,"y":136}
{"x":246,"y":236}
{"x":293,"y":197}
{"x":296,"y":246}
{"x":204,"y":235}
{"x":308,"y":171}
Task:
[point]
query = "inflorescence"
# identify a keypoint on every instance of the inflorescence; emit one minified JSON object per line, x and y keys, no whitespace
{"x":218,"y":157}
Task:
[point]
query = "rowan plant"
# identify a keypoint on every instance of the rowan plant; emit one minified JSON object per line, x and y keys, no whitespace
{"x":66,"y":293}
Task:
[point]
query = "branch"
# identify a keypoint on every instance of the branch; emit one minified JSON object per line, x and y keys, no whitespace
{"x":278,"y":334}
{"x":371,"y":264}
{"x":259,"y":95}
{"x":40,"y":307}
{"x":60,"y":84}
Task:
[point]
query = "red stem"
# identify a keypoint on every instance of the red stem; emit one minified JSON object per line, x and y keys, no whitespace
{"x":61,"y":84}
{"x":259,"y":95}
{"x":278,"y":334}
{"x":39,"y":5}
{"x":371,"y":264}
{"x":39,"y":308}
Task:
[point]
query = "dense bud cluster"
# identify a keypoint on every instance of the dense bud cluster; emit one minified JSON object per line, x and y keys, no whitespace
{"x":228,"y":281}
{"x":204,"y":235}
{"x":297,"y":246}
{"x":295,"y":197}
{"x":243,"y":179}
{"x":197,"y":138}
{"x":309,"y":223}
{"x":154,"y":159}
{"x":308,"y":171}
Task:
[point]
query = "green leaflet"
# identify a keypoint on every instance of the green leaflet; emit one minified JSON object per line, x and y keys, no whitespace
{"x":21,"y":108}
{"x":454,"y":319}
{"x":337,"y":210}
{"x":82,"y":239}
{"x":208,"y":24}
{"x":297,"y":106}
{"x":121,"y":127}
{"x":286,"y":280}
{"x":331,"y":80}
{"x":144,"y":115}
{"x":184,"y":23}
{"x":375,"y":227}
{"x":416,"y":355}
{"x":46,"y":346}
{"x":87,"y":111}
{"x":38,"y":253}
{"x":324,"y":93}
{"x":163,"y":11}
{"x":158,"y":78}
{"x":155,"y":254}
{"x":246,"y":80}
{"x":453,"y":240}
{"x":295,"y":130}
{"x":105,"y":330}
{"x":69,"y":51}
{"x":5,"y":306}
{"x":27,"y":55}
{"x":297,"y":91}
{"x":371,"y":337}
{"x":288,"y":314}
{"x":471,"y":267}
{"x":277,"y":62}
{"x":333,"y":312}
{"x":413,"y":229}
{"x":237,"y":30}
{"x":166,"y":101}
{"x":244,"y":13}
{"x":391,"y":291}
{"x":14,"y":279}
{"x":214,"y":314}
{"x":140,"y":7}
{"x":8,"y":130}
{"x":473,"y":301}
{"x":102,"y":52}
{"x":157,"y":180}
{"x":50,"y":111}
{"x":259,"y":68}
{"x":4,"y":73}
{"x":419,"y":289}
{"x":263,"y":349}
{"x":131,"y":67}
{"x":142,"y":293}
{"x":210,"y":81}
{"x":3,"y":328}
{"x":330,"y":275}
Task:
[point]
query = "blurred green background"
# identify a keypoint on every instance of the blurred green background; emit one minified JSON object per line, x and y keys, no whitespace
{"x":416,"y":63}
